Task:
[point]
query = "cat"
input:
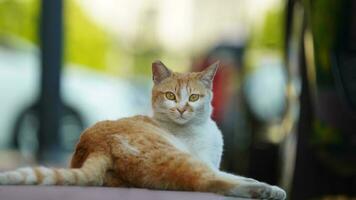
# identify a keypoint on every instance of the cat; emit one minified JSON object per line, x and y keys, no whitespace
{"x":178,"y":148}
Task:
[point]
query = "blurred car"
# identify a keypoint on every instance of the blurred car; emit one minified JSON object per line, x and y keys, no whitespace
{"x":321,"y":59}
{"x":87,"y":97}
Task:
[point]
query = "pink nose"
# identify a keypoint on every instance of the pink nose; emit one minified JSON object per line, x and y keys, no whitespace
{"x":181,"y":111}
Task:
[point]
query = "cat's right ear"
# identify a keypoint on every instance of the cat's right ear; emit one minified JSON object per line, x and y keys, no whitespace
{"x":208,"y":74}
{"x":159,"y":72}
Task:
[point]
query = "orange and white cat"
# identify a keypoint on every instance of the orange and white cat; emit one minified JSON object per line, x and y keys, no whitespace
{"x":178,"y":148}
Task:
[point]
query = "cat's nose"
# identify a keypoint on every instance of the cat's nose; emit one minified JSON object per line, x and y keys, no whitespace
{"x":181,"y":110}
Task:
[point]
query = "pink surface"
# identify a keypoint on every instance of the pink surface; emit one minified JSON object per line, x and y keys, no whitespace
{"x":98,"y":193}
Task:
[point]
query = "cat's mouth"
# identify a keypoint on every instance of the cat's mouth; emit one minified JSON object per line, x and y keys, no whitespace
{"x":181,"y":120}
{"x":181,"y":117}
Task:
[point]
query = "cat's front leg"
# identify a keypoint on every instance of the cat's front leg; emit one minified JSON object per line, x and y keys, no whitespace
{"x":250,"y":188}
{"x":240,"y":178}
{"x":258,"y":190}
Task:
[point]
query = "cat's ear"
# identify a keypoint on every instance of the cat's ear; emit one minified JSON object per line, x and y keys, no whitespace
{"x":159,"y":72}
{"x":207,"y":76}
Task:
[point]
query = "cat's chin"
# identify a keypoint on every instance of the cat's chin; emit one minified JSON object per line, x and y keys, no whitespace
{"x":180,"y":120}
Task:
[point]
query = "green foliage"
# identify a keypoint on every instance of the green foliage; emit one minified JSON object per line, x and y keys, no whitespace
{"x":326,"y":21}
{"x":325,"y":134}
{"x":19,"y":18}
{"x":86,"y":43}
{"x":270,"y":34}
{"x":266,"y":40}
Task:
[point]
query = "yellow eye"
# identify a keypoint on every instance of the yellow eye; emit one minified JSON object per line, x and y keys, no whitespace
{"x":170,"y":96}
{"x":193,"y":97}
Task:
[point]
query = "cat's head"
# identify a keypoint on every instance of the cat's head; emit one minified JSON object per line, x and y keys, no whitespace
{"x":182,"y":97}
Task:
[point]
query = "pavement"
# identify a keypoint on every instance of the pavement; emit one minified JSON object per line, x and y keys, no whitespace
{"x":102,"y":193}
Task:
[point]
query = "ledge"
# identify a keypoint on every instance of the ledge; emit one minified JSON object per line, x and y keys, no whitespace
{"x":102,"y":193}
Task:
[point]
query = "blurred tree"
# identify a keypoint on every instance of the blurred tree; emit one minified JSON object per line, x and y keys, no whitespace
{"x":266,"y":38}
{"x":325,"y":18}
{"x":146,"y":46}
{"x":19,"y":18}
{"x":270,"y":34}
{"x":86,"y":43}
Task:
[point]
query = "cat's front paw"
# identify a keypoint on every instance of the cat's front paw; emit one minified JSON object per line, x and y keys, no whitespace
{"x":265,"y":191}
{"x":278,"y":193}
{"x":271,"y":192}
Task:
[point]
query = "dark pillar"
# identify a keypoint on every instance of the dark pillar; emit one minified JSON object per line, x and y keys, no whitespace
{"x":51,"y":38}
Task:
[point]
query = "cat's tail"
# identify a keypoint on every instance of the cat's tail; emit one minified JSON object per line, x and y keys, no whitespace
{"x":91,"y":173}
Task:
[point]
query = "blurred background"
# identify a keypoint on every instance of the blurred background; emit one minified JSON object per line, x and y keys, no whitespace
{"x":284,"y":97}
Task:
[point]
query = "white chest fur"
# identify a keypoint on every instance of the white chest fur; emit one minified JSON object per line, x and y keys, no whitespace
{"x":203,"y":141}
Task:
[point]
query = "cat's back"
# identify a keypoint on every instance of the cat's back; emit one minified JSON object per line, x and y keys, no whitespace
{"x":129,"y":125}
{"x":100,"y":136}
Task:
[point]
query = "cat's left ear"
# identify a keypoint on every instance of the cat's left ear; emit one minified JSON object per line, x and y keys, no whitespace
{"x":207,"y":76}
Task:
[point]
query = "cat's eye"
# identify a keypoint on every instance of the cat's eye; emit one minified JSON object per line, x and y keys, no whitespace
{"x":193,"y":97}
{"x":170,"y":96}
